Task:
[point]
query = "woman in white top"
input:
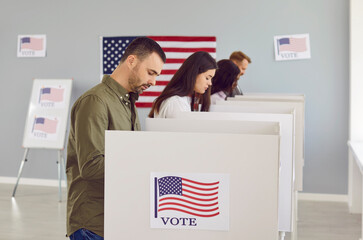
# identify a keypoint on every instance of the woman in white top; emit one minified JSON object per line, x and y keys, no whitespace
{"x":189,"y":87}
{"x":224,"y":80}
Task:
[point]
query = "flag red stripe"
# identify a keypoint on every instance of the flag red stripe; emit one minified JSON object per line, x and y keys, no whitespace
{"x":162,"y":83}
{"x":144,"y":104}
{"x":191,"y":208}
{"x":192,"y":50}
{"x":174,"y":60}
{"x":206,"y":184}
{"x":194,"y":203}
{"x":201,"y":194}
{"x":200,"y":199}
{"x":202,"y":189}
{"x":152,"y":94}
{"x":182,"y":39}
{"x":168,"y":71}
{"x":191,"y":213}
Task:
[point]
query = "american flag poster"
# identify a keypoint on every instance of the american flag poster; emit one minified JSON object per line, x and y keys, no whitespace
{"x":51,"y":96}
{"x":189,"y":201}
{"x":31,"y":46}
{"x":44,"y":127}
{"x":176,"y":48}
{"x":292,"y":47}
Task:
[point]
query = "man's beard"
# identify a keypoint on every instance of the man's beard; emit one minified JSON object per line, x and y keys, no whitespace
{"x":135,"y":82}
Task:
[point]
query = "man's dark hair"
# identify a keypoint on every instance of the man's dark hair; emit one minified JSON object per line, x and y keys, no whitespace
{"x":143,"y":47}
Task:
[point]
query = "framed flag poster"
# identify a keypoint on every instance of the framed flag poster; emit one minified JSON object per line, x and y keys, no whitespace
{"x":292,"y":47}
{"x":32,"y":46}
{"x":46,"y":121}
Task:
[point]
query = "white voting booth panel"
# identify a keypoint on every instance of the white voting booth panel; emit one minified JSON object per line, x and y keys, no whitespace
{"x":287,"y":139}
{"x":355,"y":178}
{"x":299,"y":107}
{"x":271,"y":97}
{"x":215,"y":126}
{"x":249,"y":160}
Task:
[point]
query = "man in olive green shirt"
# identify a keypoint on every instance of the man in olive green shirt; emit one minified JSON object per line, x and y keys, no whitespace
{"x":108,"y":106}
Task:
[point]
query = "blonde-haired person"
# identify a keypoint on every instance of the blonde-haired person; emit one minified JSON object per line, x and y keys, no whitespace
{"x":242,"y":61}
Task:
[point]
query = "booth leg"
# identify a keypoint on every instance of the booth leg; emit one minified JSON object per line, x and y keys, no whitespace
{"x":282,"y":235}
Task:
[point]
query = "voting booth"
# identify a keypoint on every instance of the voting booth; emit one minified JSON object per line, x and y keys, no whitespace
{"x":271,"y":97}
{"x":211,"y":126}
{"x":276,"y":102}
{"x":228,"y":177}
{"x":287,"y":150}
{"x":355,"y":178}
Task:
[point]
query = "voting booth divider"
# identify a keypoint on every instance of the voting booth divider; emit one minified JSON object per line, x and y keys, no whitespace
{"x":246,"y":162}
{"x":355,"y":200}
{"x":287,"y":149}
{"x":276,"y":102}
{"x":279,"y":97}
{"x":211,"y":126}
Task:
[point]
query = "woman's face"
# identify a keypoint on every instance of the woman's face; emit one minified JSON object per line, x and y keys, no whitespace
{"x":204,"y":81}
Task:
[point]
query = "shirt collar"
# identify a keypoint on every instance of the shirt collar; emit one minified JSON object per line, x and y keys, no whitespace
{"x":121,"y":92}
{"x":222,"y":94}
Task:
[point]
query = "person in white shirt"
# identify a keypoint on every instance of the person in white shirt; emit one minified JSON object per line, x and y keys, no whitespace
{"x":188,"y":88}
{"x":223,"y":81}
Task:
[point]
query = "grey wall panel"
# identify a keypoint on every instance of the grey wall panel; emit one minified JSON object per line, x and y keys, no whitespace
{"x":73,"y":29}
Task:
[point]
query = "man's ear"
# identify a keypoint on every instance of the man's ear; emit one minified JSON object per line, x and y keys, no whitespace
{"x":131,"y":61}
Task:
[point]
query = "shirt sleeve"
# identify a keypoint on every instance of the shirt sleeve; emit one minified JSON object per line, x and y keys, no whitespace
{"x":91,"y":121}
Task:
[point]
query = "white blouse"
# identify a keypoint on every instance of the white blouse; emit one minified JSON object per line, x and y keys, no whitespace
{"x":170,"y":107}
{"x":218,"y":96}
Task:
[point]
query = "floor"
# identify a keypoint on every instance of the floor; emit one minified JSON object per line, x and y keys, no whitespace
{"x":35,"y":213}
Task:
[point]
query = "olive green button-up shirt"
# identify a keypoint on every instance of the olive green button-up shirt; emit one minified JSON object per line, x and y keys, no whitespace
{"x":107,"y":106}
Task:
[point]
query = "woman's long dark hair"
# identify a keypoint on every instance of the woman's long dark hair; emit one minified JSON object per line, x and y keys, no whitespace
{"x":225,"y":76}
{"x":183,"y":82}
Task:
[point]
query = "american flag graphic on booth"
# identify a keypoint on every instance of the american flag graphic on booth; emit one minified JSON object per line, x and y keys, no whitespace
{"x":31,"y":43}
{"x":176,"y":48}
{"x":45,"y":125}
{"x":51,"y":94}
{"x":292,"y":44}
{"x":187,"y":196}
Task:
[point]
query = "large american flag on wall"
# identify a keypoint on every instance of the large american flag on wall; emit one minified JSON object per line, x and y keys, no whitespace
{"x":176,"y":48}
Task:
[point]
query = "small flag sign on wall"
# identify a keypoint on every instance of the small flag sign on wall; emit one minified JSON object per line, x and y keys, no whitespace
{"x":31,"y":46}
{"x":292,"y":47}
{"x":176,"y":48}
